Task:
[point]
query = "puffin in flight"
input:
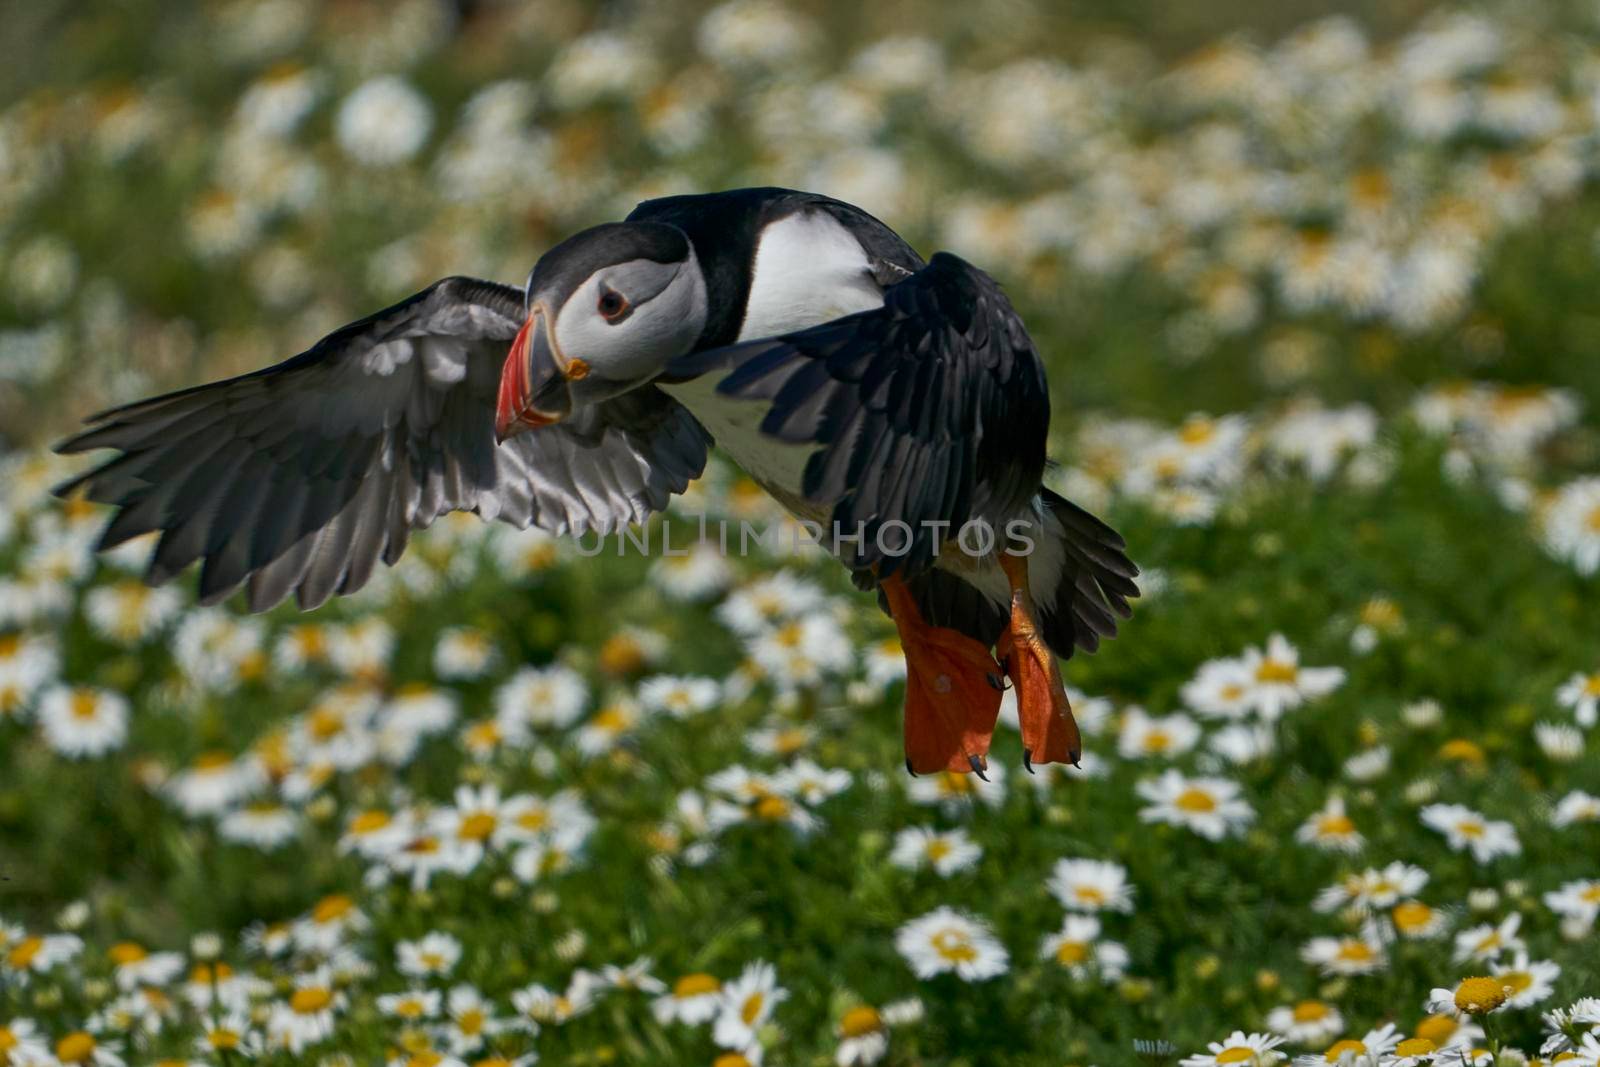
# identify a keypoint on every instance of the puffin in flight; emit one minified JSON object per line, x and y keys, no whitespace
{"x":892,"y":401}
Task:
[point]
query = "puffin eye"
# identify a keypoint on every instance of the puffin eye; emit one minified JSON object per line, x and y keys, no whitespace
{"x":613,"y":306}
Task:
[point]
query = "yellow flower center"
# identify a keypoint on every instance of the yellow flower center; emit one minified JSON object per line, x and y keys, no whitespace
{"x":1196,"y":801}
{"x":1339,"y":1048}
{"x":1415,"y":1046}
{"x":1237,"y":1054}
{"x":752,"y":1008}
{"x":212,"y":761}
{"x":1479,"y":995}
{"x":84,"y":704}
{"x":1197,"y":432}
{"x":1277,"y":671}
{"x":325,"y":724}
{"x":204,"y":975}
{"x":1591,"y":895}
{"x":1309,"y":1011}
{"x":1335,"y":825}
{"x":1516,"y":981}
{"x":76,"y":1047}
{"x":1071,"y":953}
{"x":613,"y":720}
{"x":1355,"y":952}
{"x":409,"y":1009}
{"x":8,"y":1040}
{"x":425,"y":1059}
{"x":1090,"y":895}
{"x":1462,"y":749}
{"x":1594,"y":520}
{"x":1437,"y":1028}
{"x":332,"y":908}
{"x":1591,"y":685}
{"x":953,"y":945}
{"x":311,"y":1000}
{"x":470,"y":1022}
{"x":1470,"y":828}
{"x":1232,"y":691}
{"x":695,"y":985}
{"x":731,"y":1059}
{"x":1412,"y":915}
{"x":370,"y":821}
{"x":24,"y":952}
{"x":223,"y":1039}
{"x":771,"y":807}
{"x":858,"y":1022}
{"x":950,"y":782}
{"x":1157,"y":741}
{"x":938,"y":848}
{"x":534,"y":820}
{"x":9,"y":643}
{"x":125,"y":952}
{"x":478,"y":826}
{"x":1380,"y":614}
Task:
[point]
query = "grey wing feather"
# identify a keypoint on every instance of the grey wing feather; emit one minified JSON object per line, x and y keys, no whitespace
{"x":300,"y":477}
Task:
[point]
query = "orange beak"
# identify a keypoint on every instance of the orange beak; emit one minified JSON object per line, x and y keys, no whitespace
{"x":533,"y":383}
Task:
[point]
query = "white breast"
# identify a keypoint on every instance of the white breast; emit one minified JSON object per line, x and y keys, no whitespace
{"x":808,"y":270}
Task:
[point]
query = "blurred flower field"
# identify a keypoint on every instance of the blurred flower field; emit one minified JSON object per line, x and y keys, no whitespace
{"x":1319,"y":309}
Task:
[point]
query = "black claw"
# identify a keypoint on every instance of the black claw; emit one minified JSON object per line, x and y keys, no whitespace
{"x":997,"y":681}
{"x":977,"y":767}
{"x":909,"y":771}
{"x":1076,"y":756}
{"x":1027,"y":760}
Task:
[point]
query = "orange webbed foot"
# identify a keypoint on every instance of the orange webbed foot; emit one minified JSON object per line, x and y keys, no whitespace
{"x":1049,"y":732}
{"x":953,"y":687}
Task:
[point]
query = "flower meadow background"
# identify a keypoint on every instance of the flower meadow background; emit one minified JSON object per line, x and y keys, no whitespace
{"x":1318,"y":297}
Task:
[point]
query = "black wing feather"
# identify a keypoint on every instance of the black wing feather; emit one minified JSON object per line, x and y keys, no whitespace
{"x":297,"y":478}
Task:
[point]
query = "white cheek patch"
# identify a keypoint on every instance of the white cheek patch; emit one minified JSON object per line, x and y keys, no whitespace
{"x":808,"y":270}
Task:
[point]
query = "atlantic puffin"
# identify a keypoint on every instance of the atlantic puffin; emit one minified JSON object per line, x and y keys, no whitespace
{"x":894,"y":401}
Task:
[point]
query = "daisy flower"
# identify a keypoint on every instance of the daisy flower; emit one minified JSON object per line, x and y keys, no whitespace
{"x":133,"y":965}
{"x":1465,"y":829}
{"x":1144,"y":735}
{"x":1211,"y":807}
{"x":1331,"y":829}
{"x":695,"y":574}
{"x":83,"y":722}
{"x":863,"y":1037}
{"x":548,"y":697}
{"x":25,"y":956}
{"x":945,"y":940}
{"x":747,"y":1003}
{"x":1577,"y":806}
{"x":1581,"y":693}
{"x":1571,"y":525}
{"x":812,"y":783}
{"x":1484,"y":944}
{"x":677,"y":696}
{"x":953,"y":792}
{"x":1577,"y":900}
{"x":1220,"y":689}
{"x":307,"y":1017}
{"x":129,"y":612}
{"x":223,"y":1037}
{"x":944,"y":851}
{"x":1250,"y":1050}
{"x":1309,"y":1022}
{"x":1526,"y":981}
{"x":264,"y":824}
{"x":1091,"y":885}
{"x":1368,"y":1050}
{"x":82,"y":1048}
{"x":1077,"y":947}
{"x":693,"y":999}
{"x":329,"y":924}
{"x":21,"y":1040}
{"x":470,"y":1020}
{"x":1279,"y":683}
{"x":610,"y":724}
{"x":214,"y":782}
{"x":1361,"y":953}
{"x":436,"y":953}
{"x":463,"y":653}
{"x":634,"y":976}
{"x":1416,"y":921}
{"x":411,"y":1006}
{"x":1373,"y":888}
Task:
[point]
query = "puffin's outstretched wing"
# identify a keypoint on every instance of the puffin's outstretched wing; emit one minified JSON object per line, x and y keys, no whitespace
{"x":297,"y":478}
{"x":931,"y":409}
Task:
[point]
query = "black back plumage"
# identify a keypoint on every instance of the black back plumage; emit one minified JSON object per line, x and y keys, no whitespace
{"x":931,"y":409}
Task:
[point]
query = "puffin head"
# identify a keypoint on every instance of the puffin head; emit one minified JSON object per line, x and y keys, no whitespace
{"x":607,"y":309}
